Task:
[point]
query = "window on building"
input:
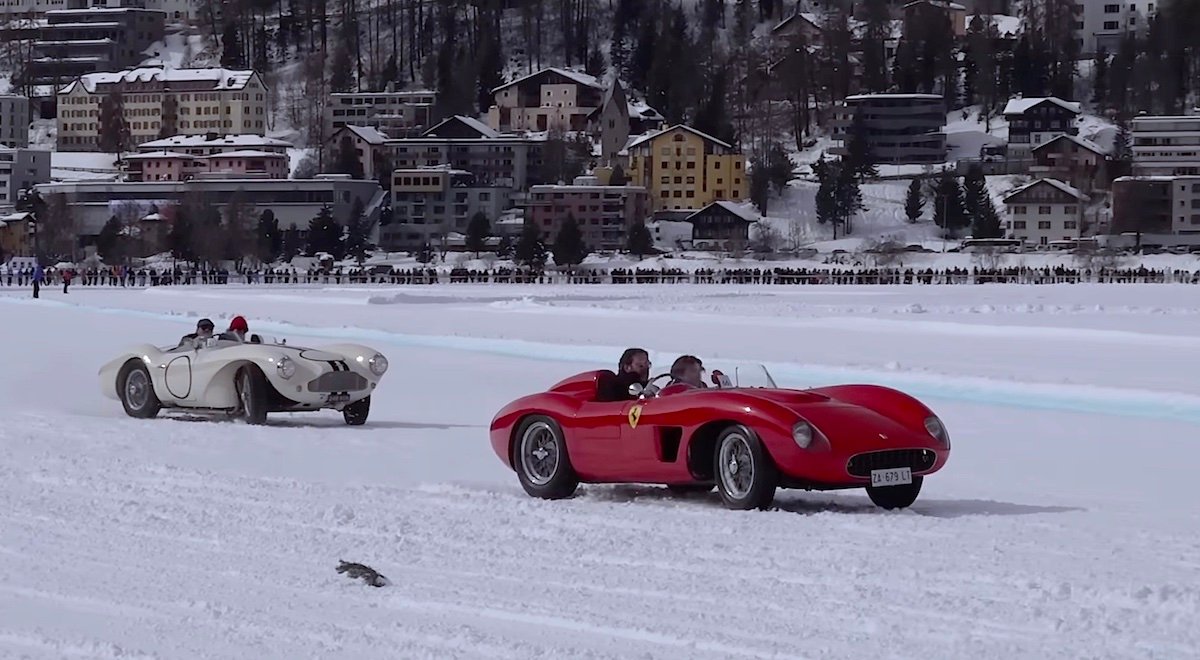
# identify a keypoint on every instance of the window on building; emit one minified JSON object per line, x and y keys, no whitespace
{"x":1044,"y":210}
{"x":1043,"y":224}
{"x":1018,"y":224}
{"x":1110,"y":25}
{"x":1112,"y":9}
{"x":1070,"y":224}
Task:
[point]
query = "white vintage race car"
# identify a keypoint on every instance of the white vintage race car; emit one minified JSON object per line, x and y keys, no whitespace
{"x":247,"y":380}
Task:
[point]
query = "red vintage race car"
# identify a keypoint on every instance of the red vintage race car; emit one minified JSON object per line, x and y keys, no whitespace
{"x":747,"y":440}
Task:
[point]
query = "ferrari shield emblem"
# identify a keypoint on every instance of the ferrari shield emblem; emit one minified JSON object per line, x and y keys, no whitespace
{"x":635,"y":413}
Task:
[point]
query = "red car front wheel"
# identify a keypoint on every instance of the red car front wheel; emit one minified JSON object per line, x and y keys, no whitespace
{"x":746,"y":476}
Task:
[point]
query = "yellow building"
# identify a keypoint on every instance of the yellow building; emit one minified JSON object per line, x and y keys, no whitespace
{"x":686,"y":169}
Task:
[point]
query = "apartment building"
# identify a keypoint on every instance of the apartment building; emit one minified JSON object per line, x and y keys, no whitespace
{"x":75,"y":42}
{"x":603,"y":213}
{"x":398,"y":114}
{"x":1166,"y":146}
{"x":433,"y":204}
{"x":14,"y":121}
{"x":461,"y":143}
{"x":1185,"y":205}
{"x":1102,"y":24}
{"x":21,"y":169}
{"x":551,"y":99}
{"x":1034,"y":120}
{"x":900,"y":128}
{"x":1142,"y":204}
{"x":176,"y":166}
{"x":686,"y":169}
{"x":1072,"y":159}
{"x":155,"y":100}
{"x":293,"y":201}
{"x":1043,"y":211}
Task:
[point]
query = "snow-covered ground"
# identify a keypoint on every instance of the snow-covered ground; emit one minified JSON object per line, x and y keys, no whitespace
{"x":1064,"y":525}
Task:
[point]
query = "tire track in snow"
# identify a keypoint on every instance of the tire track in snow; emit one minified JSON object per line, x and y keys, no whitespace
{"x":986,"y":391}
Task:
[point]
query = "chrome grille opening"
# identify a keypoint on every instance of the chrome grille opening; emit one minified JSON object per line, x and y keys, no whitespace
{"x":338,"y":381}
{"x":918,"y":460}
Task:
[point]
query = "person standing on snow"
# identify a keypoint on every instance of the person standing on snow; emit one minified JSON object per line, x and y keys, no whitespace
{"x":39,"y":276}
{"x":66,"y":278}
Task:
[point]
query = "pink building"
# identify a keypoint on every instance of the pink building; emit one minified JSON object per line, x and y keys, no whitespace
{"x":175,"y":166}
{"x":604,"y":213}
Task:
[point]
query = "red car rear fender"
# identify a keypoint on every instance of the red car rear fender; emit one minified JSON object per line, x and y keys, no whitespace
{"x":561,"y":407}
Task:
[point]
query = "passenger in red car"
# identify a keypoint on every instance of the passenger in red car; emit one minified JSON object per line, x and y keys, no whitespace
{"x":633,"y":367}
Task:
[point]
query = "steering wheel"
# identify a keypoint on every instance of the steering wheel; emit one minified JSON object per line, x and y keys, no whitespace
{"x":650,"y":390}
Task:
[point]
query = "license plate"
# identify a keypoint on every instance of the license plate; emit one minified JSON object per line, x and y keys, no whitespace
{"x":337,"y":398}
{"x":891,"y":477}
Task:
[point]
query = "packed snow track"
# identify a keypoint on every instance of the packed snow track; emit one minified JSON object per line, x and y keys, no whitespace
{"x":1064,"y":525}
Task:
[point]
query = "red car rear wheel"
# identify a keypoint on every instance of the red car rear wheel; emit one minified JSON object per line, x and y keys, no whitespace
{"x":541,"y":460}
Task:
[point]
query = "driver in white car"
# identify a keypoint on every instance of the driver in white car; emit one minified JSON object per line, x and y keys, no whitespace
{"x":204,"y":330}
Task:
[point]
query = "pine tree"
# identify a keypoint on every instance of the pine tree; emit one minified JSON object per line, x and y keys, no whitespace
{"x":529,"y":250}
{"x":324,"y":234}
{"x":859,"y":157}
{"x":780,"y":168}
{"x":848,"y":196}
{"x":826,"y":202}
{"x":985,"y":221}
{"x":505,"y":248}
{"x":232,"y":55}
{"x":569,"y":249}
{"x":639,"y":242}
{"x":179,"y":239}
{"x":1100,"y":78}
{"x":170,"y":117}
{"x":425,"y":254}
{"x":478,"y":231}
{"x":595,"y":63}
{"x":114,"y":131}
{"x":878,"y":30}
{"x":108,"y":241}
{"x":760,"y":182}
{"x":291,"y":243}
{"x":949,"y":210}
{"x":914,"y":202}
{"x":347,"y":159}
{"x":618,"y":177}
{"x":268,"y":240}
{"x":357,"y":243}
{"x":1122,"y":155}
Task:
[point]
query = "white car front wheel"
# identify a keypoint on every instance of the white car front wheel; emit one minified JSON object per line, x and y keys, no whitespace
{"x":137,"y":391}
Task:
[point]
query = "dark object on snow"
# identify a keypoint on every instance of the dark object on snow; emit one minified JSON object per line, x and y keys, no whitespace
{"x":360,"y":571}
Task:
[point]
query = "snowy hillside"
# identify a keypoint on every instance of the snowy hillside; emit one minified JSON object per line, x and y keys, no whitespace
{"x":1062,"y":527}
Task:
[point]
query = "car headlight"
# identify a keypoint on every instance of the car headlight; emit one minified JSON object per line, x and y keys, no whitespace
{"x":378,"y":364}
{"x":802,"y":433}
{"x":937,"y":430}
{"x":286,"y":368}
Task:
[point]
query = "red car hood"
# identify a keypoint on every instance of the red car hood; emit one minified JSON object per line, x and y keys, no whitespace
{"x":847,"y":422}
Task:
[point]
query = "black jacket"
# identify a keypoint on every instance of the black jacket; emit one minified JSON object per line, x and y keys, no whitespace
{"x":615,"y":387}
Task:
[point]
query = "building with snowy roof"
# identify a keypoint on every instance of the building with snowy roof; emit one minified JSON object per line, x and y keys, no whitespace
{"x":153,"y":101}
{"x":1043,"y":211}
{"x":684,"y":168}
{"x":69,"y":43}
{"x":431,"y":203}
{"x":1166,"y":145}
{"x":1075,"y":160}
{"x":398,"y":114}
{"x":1032,"y":121}
{"x":551,"y":99}
{"x":899,"y":128}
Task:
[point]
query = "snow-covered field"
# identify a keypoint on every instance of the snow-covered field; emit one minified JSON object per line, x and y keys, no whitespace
{"x":1064,"y":526}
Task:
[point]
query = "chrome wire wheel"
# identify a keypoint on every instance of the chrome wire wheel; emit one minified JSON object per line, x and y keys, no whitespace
{"x":539,"y":453}
{"x":736,"y":465}
{"x":137,"y":389}
{"x":244,"y":391}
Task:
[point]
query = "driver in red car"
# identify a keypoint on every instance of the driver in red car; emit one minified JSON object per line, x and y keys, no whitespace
{"x":633,"y":367}
{"x":687,"y":373}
